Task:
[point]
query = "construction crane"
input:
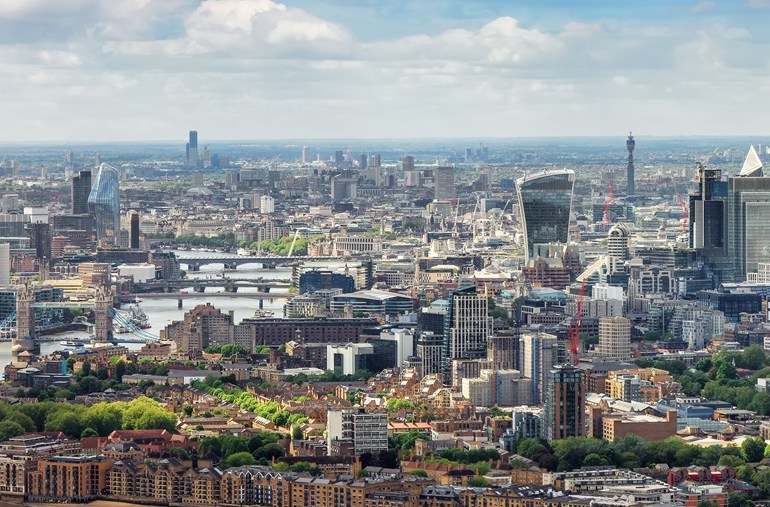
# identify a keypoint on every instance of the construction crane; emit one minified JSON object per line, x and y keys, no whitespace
{"x":574,"y":328}
{"x":610,"y":200}
{"x":597,"y":267}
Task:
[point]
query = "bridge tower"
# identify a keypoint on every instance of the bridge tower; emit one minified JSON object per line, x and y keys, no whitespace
{"x":103,"y":302}
{"x":25,"y":319}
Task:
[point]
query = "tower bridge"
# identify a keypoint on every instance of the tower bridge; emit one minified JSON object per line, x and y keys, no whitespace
{"x":101,"y":305}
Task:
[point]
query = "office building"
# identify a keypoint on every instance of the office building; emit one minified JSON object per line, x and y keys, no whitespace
{"x":732,"y":304}
{"x":707,"y":227}
{"x":5,"y":263}
{"x":748,"y":222}
{"x":444,"y":181}
{"x":430,"y":350}
{"x":501,"y":388}
{"x":630,"y":145}
{"x":266,"y":204}
{"x":81,"y":188}
{"x":539,"y":353}
{"x":349,"y":358}
{"x":618,"y":247}
{"x":104,"y":204}
{"x":316,"y":279}
{"x":133,"y":230}
{"x":467,"y":327}
{"x":356,"y":430}
{"x":306,"y":155}
{"x":403,"y":340}
{"x":615,"y":337}
{"x":40,"y":237}
{"x":191,"y":155}
{"x":545,"y":203}
{"x":564,"y":408}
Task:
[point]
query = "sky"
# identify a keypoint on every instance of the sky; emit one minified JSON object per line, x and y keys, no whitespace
{"x":144,"y":70}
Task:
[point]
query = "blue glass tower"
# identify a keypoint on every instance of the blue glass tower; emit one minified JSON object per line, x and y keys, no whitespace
{"x":104,"y":203}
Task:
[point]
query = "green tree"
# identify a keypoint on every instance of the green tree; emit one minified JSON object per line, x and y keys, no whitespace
{"x":528,"y":447}
{"x":10,"y":429}
{"x":23,"y":420}
{"x":593,"y":459}
{"x":188,"y":410}
{"x":296,"y":433}
{"x":179,"y":452}
{"x":726,"y":371}
{"x":88,"y":432}
{"x":65,"y":421}
{"x":477,"y":482}
{"x":753,"y":449}
{"x":239,"y":459}
{"x":396,"y":404}
{"x":120,"y":370}
{"x":753,"y":358}
{"x":419,"y":473}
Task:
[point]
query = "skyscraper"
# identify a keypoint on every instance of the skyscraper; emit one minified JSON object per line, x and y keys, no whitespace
{"x":467,"y":326}
{"x":104,"y":204}
{"x":306,"y":155}
{"x":748,"y":222}
{"x":615,"y":337}
{"x":564,"y":408}
{"x":444,"y":181}
{"x":630,"y":145}
{"x":539,"y":352}
{"x":133,"y":230}
{"x":192,"y":149}
{"x":545,"y":203}
{"x":81,"y":188}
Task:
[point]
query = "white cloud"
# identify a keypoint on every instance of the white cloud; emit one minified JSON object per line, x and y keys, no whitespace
{"x":160,"y":67}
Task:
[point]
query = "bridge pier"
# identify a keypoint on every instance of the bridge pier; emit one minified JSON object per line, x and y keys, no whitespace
{"x":179,"y":303}
{"x":261,"y":303}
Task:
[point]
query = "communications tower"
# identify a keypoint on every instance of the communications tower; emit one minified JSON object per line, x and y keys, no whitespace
{"x":630,"y":145}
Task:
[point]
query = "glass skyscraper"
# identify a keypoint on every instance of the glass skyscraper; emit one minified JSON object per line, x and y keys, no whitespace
{"x":104,"y":203}
{"x":545,"y":203}
{"x":748,"y":222}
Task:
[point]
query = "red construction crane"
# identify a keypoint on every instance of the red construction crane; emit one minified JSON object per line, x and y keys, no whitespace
{"x":610,"y":200}
{"x":574,"y":328}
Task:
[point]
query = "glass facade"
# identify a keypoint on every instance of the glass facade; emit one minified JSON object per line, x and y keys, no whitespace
{"x":545,"y":203}
{"x":748,"y":222}
{"x":104,"y":204}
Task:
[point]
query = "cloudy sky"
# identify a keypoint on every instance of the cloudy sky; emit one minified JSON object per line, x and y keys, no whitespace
{"x":110,"y":70}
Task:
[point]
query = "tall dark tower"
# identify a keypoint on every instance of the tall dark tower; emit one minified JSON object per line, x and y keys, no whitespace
{"x":133,"y":231}
{"x":630,"y":145}
{"x":81,"y":188}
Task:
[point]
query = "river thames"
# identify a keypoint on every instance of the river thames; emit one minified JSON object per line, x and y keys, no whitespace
{"x":162,"y":311}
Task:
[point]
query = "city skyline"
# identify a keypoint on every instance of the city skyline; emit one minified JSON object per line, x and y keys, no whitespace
{"x":259,"y":69}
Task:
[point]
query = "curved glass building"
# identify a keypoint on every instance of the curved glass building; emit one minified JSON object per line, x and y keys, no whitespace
{"x":545,"y":203}
{"x":104,"y":203}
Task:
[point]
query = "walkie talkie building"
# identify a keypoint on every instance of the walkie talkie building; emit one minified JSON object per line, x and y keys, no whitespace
{"x":104,"y":203}
{"x":545,"y":203}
